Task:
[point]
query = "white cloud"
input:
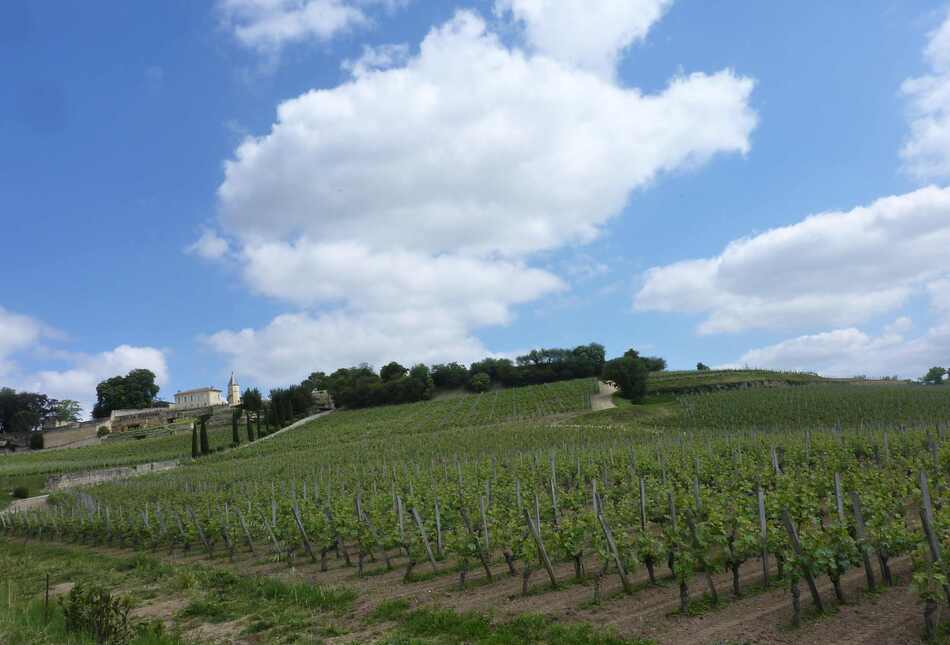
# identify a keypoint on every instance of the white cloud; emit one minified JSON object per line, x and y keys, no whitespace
{"x":939,"y":292}
{"x":847,"y":352}
{"x":926,"y":153}
{"x":18,"y":332}
{"x":377,"y":58}
{"x":79,"y":381}
{"x":590,"y":35}
{"x":293,"y":345}
{"x":409,"y":200}
{"x":477,"y":292}
{"x":474,"y":148}
{"x":209,"y":246}
{"x":268,"y":25}
{"x":837,"y":268}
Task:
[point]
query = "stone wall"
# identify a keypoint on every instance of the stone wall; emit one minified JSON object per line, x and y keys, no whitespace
{"x":70,"y":480}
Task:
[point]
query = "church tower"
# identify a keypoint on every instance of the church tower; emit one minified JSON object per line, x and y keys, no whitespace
{"x":234,"y":392}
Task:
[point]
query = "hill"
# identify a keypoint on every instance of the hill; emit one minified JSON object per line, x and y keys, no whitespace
{"x":485,"y":518}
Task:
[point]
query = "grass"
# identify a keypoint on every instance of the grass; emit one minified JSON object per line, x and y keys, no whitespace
{"x":211,"y":595}
{"x":33,"y":483}
{"x":446,"y":626}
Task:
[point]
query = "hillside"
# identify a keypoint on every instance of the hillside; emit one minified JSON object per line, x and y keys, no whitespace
{"x":693,"y":382}
{"x":413,"y":523}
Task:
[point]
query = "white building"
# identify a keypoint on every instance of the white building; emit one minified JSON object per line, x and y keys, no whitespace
{"x":201,"y":397}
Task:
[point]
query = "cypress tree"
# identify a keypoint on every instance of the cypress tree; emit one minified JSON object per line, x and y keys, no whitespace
{"x":205,"y":448}
{"x":235,"y":435}
{"x":247,"y":423}
{"x":258,"y":423}
{"x":194,"y":440}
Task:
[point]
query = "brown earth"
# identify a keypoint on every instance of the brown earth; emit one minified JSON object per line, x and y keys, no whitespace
{"x":890,"y":616}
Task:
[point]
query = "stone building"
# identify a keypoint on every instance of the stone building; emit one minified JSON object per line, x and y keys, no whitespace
{"x":234,"y":392}
{"x":201,"y":397}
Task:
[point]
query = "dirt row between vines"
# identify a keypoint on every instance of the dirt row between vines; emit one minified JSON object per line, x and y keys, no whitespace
{"x":760,"y":616}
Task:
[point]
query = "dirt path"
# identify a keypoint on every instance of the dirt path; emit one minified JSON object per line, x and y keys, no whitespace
{"x":603,"y":400}
{"x":293,"y":425}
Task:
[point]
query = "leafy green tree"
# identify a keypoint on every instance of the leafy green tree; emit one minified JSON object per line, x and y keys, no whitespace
{"x":22,"y":411}
{"x":934,"y":375}
{"x":66,"y":410}
{"x":481,"y":382}
{"x":392,"y":371}
{"x":449,"y":375}
{"x":654,"y":363}
{"x":629,"y":374}
{"x":702,"y":367}
{"x":135,"y":390}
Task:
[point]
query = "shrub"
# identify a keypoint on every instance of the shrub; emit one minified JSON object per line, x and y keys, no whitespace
{"x":480,"y":382}
{"x":21,"y":492}
{"x":36,"y":441}
{"x":103,"y":431}
{"x":93,"y":611}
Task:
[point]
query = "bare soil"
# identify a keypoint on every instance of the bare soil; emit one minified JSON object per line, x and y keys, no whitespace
{"x":892,"y":615}
{"x":603,"y":400}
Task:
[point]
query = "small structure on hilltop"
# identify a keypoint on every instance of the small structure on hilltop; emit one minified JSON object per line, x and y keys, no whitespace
{"x":234,"y":392}
{"x":202,"y":397}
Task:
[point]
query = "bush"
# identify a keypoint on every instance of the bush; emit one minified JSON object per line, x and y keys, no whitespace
{"x":629,"y":374}
{"x":36,"y":441}
{"x":480,"y":382}
{"x":21,"y":492}
{"x":93,"y":611}
{"x":103,"y":431}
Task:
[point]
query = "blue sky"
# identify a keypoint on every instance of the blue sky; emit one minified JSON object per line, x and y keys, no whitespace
{"x":471,"y":178}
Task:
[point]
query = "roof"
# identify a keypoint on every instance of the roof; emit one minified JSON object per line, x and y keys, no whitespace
{"x":197,"y":390}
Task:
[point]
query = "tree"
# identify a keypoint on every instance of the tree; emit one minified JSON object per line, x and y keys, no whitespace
{"x":480,"y":382}
{"x":629,"y":374}
{"x":203,"y":434}
{"x":135,"y":390}
{"x":251,"y":399}
{"x":654,"y":363}
{"x":449,"y":375}
{"x":935,"y":375}
{"x":235,"y":435}
{"x":66,"y":410}
{"x":702,"y":367}
{"x":392,"y":371}
{"x":22,"y":411}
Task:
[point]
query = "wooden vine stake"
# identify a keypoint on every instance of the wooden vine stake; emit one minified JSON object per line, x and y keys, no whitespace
{"x":927,"y":519}
{"x":797,"y":546}
{"x":425,"y":538}
{"x":861,"y":535}
{"x":542,"y":552}
{"x":303,"y":534}
{"x":839,"y":499}
{"x":621,"y":570}
{"x":764,"y":536}
{"x":247,"y":534}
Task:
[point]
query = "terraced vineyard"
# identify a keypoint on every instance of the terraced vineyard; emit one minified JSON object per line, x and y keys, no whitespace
{"x":742,"y":513}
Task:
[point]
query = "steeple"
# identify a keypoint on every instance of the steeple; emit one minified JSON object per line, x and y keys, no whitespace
{"x":234,"y":392}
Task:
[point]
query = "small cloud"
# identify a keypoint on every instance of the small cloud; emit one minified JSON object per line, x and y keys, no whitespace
{"x":376,"y":58}
{"x":209,"y":246}
{"x":154,"y":78}
{"x":901,"y":325}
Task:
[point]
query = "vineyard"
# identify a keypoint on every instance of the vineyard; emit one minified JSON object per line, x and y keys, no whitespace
{"x":811,"y":501}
